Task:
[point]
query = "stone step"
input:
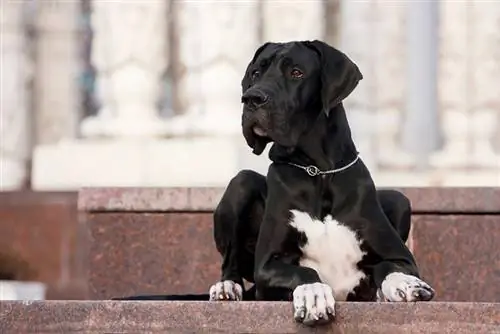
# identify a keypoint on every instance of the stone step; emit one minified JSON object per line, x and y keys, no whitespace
{"x":160,"y":241}
{"x":243,"y":317}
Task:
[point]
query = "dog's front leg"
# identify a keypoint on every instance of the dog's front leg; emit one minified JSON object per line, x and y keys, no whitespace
{"x":277,"y":256}
{"x":401,"y":287}
{"x":313,"y":300}
{"x":396,"y":276}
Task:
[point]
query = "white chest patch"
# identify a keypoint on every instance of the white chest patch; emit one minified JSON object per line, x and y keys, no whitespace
{"x":332,"y":249}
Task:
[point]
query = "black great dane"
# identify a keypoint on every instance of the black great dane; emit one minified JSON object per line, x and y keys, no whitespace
{"x":315,"y":230}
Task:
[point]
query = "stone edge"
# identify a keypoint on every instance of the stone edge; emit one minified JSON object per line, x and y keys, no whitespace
{"x":424,"y":200}
{"x":114,"y":316}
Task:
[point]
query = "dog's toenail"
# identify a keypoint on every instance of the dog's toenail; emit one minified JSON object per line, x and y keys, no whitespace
{"x":401,"y":294}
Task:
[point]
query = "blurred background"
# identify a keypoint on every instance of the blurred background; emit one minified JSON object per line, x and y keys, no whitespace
{"x":147,"y":93}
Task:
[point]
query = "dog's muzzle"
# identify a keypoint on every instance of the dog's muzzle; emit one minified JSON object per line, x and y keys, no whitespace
{"x":254,"y":100}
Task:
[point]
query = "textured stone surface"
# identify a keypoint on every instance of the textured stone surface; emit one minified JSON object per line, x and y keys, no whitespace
{"x":160,"y":241}
{"x":459,"y":255}
{"x":174,"y":253}
{"x":246,"y":317}
{"x":37,"y":240}
{"x":454,"y":199}
{"x":437,"y":200}
{"x":149,"y":254}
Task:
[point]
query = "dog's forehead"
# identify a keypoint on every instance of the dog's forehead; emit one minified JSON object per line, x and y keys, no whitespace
{"x":297,"y":52}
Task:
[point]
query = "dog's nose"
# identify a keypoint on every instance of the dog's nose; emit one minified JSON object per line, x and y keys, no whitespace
{"x":255,"y":98}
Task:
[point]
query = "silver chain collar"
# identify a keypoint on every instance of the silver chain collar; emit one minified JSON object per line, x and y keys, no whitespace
{"x":314,"y":171}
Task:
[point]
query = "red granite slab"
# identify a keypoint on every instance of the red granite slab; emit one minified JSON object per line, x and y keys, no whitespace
{"x":244,"y":317}
{"x":451,"y":200}
{"x":37,"y":240}
{"x":459,"y":255}
{"x":149,"y":254}
{"x":160,"y":240}
{"x":424,"y":200}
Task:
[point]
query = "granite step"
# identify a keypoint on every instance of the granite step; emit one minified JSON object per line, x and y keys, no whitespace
{"x":160,"y":241}
{"x":243,"y":317}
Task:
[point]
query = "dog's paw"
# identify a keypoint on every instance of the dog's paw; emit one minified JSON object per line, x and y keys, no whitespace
{"x":313,"y":304}
{"x":399,"y":287}
{"x":226,"y":290}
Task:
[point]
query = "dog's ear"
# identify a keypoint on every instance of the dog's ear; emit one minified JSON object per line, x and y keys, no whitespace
{"x":245,"y":82}
{"x":339,"y":74}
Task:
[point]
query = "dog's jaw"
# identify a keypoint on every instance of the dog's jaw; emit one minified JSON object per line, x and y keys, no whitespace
{"x":254,"y":132}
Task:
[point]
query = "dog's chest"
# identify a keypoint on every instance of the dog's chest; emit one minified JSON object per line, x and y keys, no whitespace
{"x":332,"y":249}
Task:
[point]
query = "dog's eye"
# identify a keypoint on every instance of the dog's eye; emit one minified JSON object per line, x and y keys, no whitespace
{"x":255,"y":74}
{"x":296,"y":73}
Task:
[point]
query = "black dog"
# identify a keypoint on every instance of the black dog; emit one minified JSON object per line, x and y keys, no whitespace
{"x":315,"y":230}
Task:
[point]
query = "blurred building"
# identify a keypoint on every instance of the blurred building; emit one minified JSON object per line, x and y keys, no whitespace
{"x":147,"y":93}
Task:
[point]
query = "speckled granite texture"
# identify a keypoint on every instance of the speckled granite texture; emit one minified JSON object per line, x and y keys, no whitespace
{"x":442,"y":200}
{"x":244,"y":317}
{"x":160,"y":241}
{"x":38,"y":232}
{"x":460,"y":255}
{"x":171,"y":253}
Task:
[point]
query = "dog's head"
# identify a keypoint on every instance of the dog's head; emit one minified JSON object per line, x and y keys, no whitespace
{"x":287,"y":85}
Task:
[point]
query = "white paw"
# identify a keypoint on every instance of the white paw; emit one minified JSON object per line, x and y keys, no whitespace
{"x":399,"y":287}
{"x":313,"y":303}
{"x":226,"y":290}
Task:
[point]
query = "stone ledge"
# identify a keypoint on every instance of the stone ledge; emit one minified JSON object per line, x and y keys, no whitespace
{"x":244,"y":317}
{"x":133,"y":162}
{"x":28,"y":197}
{"x":424,"y":200}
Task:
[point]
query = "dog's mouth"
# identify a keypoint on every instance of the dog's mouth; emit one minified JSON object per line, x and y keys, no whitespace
{"x":259,"y":131}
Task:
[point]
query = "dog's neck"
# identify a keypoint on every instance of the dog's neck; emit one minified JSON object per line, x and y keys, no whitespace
{"x":327,"y":144}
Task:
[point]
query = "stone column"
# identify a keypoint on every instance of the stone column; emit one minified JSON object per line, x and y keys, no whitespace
{"x":130,"y":55}
{"x":285,"y":21}
{"x":421,"y":135}
{"x":57,"y":99}
{"x":454,"y":84}
{"x":485,"y":88}
{"x":14,"y":120}
{"x":469,"y":95}
{"x":389,"y":84}
{"x":357,"y":40}
{"x":332,"y":21}
{"x":213,"y":54}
